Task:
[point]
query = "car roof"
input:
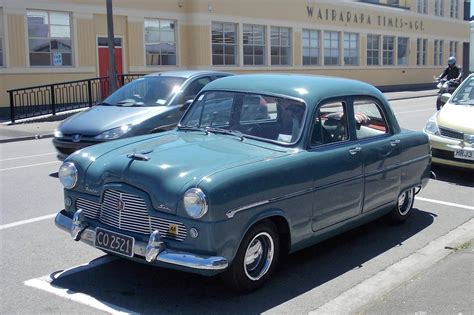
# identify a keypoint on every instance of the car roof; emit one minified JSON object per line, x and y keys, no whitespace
{"x":186,"y":74}
{"x":309,"y":88}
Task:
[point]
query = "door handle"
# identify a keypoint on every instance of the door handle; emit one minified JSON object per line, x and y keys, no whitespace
{"x":355,"y":150}
{"x":394,"y":143}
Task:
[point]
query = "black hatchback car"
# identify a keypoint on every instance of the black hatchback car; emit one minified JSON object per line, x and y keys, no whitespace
{"x":149,"y":104}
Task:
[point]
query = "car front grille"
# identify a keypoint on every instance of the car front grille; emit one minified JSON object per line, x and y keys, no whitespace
{"x":132,"y":215}
{"x":451,"y":133}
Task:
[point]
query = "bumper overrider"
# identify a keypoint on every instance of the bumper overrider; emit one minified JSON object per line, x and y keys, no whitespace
{"x":154,"y":252}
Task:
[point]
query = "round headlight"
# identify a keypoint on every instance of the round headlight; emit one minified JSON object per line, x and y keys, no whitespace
{"x":195,"y":203}
{"x":68,"y":175}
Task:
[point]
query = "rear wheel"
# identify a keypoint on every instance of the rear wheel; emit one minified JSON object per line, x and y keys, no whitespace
{"x":404,"y":206}
{"x":255,"y":260}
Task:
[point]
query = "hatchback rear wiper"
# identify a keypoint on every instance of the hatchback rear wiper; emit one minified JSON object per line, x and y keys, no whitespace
{"x":226,"y":132}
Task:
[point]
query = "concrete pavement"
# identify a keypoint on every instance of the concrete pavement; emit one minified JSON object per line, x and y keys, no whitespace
{"x":44,"y":128}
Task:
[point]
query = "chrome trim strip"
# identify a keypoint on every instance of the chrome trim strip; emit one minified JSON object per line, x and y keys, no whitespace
{"x":167,"y":256}
{"x":230,"y":214}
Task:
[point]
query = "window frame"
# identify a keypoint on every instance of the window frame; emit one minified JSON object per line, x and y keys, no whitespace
{"x":331,"y":49}
{"x":310,"y":47}
{"x":235,"y":45}
{"x":438,"y":52}
{"x":422,"y":6}
{"x":50,"y":38}
{"x":390,"y":131}
{"x":3,"y":64}
{"x":378,"y":50}
{"x":454,"y":9}
{"x":421,"y":51}
{"x":453,"y":49}
{"x":356,"y":49}
{"x":439,"y":8}
{"x":386,"y":52}
{"x":253,"y":45}
{"x":289,"y":47}
{"x":407,"y":51}
{"x":159,"y":42}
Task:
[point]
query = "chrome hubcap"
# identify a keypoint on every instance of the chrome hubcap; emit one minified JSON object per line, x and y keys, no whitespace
{"x":405,"y":201}
{"x":258,"y":256}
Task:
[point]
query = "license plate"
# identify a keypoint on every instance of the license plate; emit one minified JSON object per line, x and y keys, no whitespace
{"x":464,"y":154}
{"x":114,"y":242}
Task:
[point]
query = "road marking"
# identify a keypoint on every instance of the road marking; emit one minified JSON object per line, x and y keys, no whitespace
{"x":358,"y":297}
{"x":30,"y":165}
{"x":45,"y":283}
{"x":414,"y":111}
{"x":27,"y":156}
{"x":445,"y":203}
{"x":22,"y":222}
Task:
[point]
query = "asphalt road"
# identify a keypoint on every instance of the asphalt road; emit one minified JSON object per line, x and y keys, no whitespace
{"x":32,"y":248}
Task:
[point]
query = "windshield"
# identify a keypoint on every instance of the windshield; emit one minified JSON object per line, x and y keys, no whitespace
{"x":146,"y":91}
{"x":465,"y":94}
{"x":247,"y":115}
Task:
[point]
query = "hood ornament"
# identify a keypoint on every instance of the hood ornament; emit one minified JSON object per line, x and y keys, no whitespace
{"x":76,"y":138}
{"x":138,"y":156}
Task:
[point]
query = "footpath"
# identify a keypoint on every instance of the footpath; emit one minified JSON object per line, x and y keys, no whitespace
{"x":43,"y":127}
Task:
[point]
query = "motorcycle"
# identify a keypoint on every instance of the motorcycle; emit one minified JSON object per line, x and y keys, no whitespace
{"x":445,"y":86}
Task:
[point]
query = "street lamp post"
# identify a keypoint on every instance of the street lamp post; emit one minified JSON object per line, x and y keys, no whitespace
{"x":111,"y":46}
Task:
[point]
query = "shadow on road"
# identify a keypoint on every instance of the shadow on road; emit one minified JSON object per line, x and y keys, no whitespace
{"x":454,"y":175}
{"x":144,"y":289}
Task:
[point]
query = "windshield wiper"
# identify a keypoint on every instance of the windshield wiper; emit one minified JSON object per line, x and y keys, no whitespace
{"x":193,"y":128}
{"x":226,"y":132}
{"x":129,"y":103}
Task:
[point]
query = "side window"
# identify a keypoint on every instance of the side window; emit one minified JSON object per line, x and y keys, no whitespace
{"x":369,"y":119}
{"x":330,"y":124}
{"x":192,"y":89}
{"x":212,"y":110}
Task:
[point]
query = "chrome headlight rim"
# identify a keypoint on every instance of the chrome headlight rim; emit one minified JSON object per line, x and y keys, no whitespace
{"x":74,"y":174}
{"x":203,"y":204}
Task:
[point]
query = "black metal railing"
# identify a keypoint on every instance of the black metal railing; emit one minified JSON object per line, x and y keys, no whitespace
{"x":59,"y":97}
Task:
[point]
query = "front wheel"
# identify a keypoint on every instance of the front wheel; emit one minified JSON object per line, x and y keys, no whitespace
{"x":404,"y":206}
{"x":255,"y":260}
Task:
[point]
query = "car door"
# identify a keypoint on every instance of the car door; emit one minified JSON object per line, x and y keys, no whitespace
{"x":380,"y":153}
{"x":336,"y":166}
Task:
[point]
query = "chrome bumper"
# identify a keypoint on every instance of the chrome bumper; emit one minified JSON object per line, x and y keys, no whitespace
{"x":154,"y":251}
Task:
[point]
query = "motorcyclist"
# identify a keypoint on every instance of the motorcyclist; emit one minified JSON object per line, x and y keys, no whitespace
{"x":453,"y":74}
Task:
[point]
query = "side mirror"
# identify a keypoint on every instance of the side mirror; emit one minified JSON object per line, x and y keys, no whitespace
{"x":445,"y":97}
{"x":185,"y":105}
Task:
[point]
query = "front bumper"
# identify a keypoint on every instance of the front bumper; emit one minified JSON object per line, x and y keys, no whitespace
{"x":155,"y":252}
{"x":65,"y":148}
{"x":443,"y":152}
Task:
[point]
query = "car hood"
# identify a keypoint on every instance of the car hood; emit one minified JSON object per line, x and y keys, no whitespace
{"x":98,"y":119}
{"x":457,"y":117}
{"x":176,"y":161}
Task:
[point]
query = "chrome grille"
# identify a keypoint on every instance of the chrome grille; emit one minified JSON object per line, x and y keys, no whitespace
{"x":133,"y":217}
{"x":451,"y":133}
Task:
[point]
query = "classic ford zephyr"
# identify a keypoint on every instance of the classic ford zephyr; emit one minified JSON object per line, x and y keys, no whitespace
{"x":259,"y":166}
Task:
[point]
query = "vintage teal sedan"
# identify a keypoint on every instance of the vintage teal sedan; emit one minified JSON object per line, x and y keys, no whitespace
{"x":260,"y":165}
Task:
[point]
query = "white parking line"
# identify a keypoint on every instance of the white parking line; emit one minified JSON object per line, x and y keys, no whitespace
{"x":45,"y":284}
{"x":27,"y":156}
{"x":30,"y":165}
{"x":445,"y":203}
{"x":22,"y":222}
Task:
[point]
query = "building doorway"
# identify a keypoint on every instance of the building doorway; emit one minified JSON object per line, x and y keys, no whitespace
{"x":103,"y":54}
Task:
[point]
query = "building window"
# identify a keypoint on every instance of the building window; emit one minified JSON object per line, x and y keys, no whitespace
{"x":454,"y":9}
{"x":422,"y":6}
{"x":453,"y":49}
{"x":254,"y":44}
{"x":421,"y":46}
{"x":49,"y":38}
{"x":438,"y":52}
{"x":331,"y":48}
{"x":311,"y":47}
{"x":160,"y":42}
{"x":281,"y":45}
{"x":373,"y":50}
{"x":351,"y":49}
{"x":388,"y":50}
{"x":439,"y":7}
{"x":224,"y":44}
{"x":2,"y":59}
{"x":402,"y":51}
